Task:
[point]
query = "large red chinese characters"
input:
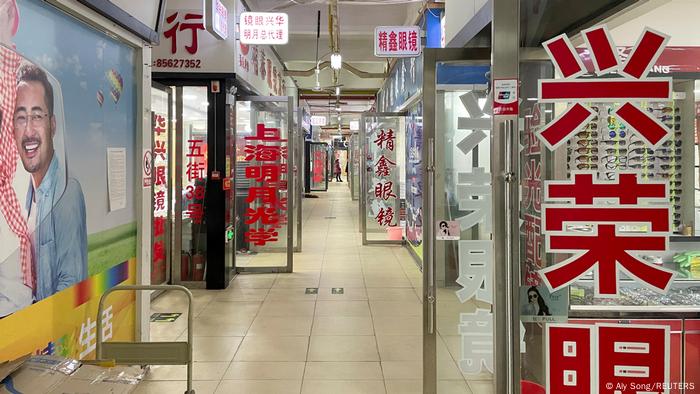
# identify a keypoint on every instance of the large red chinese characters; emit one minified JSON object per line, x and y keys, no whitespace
{"x":384,"y":185}
{"x":606,"y":206}
{"x":632,"y":87}
{"x":266,"y":211}
{"x":607,"y":358}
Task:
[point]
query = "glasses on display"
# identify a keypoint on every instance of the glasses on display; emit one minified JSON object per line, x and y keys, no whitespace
{"x":587,"y":134}
{"x":587,"y":142}
{"x":615,"y":133}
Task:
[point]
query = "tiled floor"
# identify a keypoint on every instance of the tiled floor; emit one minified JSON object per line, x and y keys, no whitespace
{"x":265,"y":335}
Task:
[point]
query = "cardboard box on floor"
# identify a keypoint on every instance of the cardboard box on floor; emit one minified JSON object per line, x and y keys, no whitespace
{"x":58,"y":375}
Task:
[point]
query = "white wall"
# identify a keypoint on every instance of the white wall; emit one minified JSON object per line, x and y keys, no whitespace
{"x":457,"y":14}
{"x":677,"y":18}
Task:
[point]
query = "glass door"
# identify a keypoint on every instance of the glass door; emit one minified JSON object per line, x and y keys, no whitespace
{"x":158,"y":160}
{"x":457,"y":235}
{"x":265,"y":197}
{"x":318,"y":157}
{"x":381,"y":182}
{"x":353,"y":166}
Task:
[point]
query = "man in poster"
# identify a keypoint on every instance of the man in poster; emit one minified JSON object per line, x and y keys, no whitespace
{"x":55,"y":204}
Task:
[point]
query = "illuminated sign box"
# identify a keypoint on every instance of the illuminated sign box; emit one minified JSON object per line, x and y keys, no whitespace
{"x":217,"y":19}
{"x":318,"y":120}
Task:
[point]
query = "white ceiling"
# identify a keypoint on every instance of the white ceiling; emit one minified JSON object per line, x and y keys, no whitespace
{"x":357,"y":20}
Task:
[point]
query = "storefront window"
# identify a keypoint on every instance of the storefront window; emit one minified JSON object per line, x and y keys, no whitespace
{"x":262,"y":151}
{"x":608,"y":240}
{"x":194,"y":182}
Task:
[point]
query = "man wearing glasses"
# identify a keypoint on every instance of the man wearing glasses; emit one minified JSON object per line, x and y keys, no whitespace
{"x":54,"y":202}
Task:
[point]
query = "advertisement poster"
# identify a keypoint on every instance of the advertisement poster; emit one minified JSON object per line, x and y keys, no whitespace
{"x":67,"y":94}
{"x":538,"y":305}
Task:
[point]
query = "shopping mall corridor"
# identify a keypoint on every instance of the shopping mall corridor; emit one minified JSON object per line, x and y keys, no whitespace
{"x":265,"y":335}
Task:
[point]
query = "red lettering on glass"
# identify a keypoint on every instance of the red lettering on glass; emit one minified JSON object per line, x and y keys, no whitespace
{"x":604,"y":248}
{"x":384,"y":190}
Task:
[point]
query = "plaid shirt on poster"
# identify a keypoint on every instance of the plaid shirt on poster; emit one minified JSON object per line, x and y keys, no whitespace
{"x":9,"y":204}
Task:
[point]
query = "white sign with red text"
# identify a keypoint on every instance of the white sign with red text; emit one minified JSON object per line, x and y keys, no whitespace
{"x":608,"y":358}
{"x":397,"y":41}
{"x":505,"y":97}
{"x":185,"y":44}
{"x":266,"y":28}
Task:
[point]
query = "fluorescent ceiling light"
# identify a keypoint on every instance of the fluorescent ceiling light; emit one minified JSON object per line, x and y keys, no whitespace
{"x":337,"y":90}
{"x":336,"y":61}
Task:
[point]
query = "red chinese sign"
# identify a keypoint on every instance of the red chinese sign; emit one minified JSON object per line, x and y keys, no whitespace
{"x":196,"y":172}
{"x":190,"y":23}
{"x":605,"y":249}
{"x":588,"y":218}
{"x":319,"y":166}
{"x":397,"y":41}
{"x":607,"y":358}
{"x":632,"y":87}
{"x":267,"y":209}
{"x":160,"y":193}
{"x":384,"y":172}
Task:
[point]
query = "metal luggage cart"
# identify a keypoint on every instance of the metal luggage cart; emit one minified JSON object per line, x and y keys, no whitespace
{"x":148,"y":353}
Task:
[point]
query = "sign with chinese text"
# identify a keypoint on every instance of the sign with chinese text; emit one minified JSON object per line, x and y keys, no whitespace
{"x":383,"y":193}
{"x":258,"y":67}
{"x":505,"y":97}
{"x":266,"y":154}
{"x":160,"y":198}
{"x":266,"y":28}
{"x":318,"y":120}
{"x":397,"y":41}
{"x":606,"y":224}
{"x":195,"y":172}
{"x":187,"y":46}
{"x":607,"y":358}
{"x":217,"y":19}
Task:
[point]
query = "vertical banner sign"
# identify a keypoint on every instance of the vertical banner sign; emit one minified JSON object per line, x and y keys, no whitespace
{"x":267,"y":210}
{"x":267,"y":28}
{"x":505,"y":97}
{"x":160,"y":197}
{"x":397,"y":41}
{"x":625,"y":214}
{"x":384,"y":180}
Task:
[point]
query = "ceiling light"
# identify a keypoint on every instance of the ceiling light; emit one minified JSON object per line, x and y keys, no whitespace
{"x":337,"y":90}
{"x":336,"y":61}
{"x":337,"y":108}
{"x":548,"y":111}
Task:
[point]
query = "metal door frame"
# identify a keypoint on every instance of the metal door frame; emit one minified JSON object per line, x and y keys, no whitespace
{"x":362,"y":198}
{"x":291,"y":181}
{"x":351,"y":159}
{"x":299,"y":174}
{"x":169,"y":220}
{"x":432,"y":56}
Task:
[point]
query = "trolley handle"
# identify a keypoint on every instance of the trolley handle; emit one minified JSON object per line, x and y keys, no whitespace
{"x":190,"y":312}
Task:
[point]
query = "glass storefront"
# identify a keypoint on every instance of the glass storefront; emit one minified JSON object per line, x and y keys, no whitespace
{"x":264,"y":184}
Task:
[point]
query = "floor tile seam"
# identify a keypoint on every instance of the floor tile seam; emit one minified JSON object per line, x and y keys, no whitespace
{"x":456,"y":363}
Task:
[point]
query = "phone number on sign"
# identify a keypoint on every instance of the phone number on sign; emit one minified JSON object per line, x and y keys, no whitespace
{"x":177,"y":63}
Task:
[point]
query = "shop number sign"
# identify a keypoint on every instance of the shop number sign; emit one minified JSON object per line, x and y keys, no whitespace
{"x":267,"y":209}
{"x":606,"y":358}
